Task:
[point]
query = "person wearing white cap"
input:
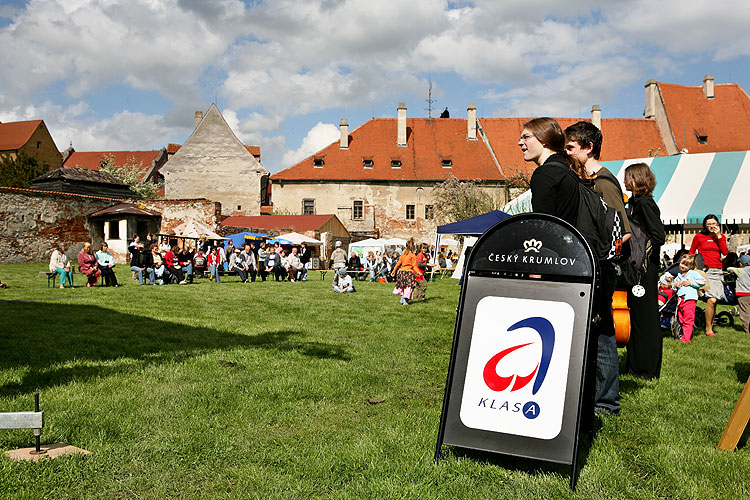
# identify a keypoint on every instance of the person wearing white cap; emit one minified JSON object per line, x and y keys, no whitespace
{"x":338,"y":258}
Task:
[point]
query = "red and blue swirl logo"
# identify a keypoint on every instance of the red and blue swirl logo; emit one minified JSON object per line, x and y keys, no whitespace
{"x":516,"y":381}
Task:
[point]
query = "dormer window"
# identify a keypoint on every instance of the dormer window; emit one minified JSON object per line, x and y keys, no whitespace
{"x":367,"y":162}
{"x":447,"y":162}
{"x":395,"y":163}
{"x":701,"y":135}
{"x":318,"y":162}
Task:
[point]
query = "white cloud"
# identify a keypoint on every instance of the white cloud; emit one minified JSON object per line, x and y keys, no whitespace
{"x":318,"y":137}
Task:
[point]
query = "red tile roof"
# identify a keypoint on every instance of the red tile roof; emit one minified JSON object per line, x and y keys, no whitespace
{"x":623,"y":139}
{"x":297,"y":223}
{"x":724,"y":120}
{"x":254,"y":150}
{"x":428,"y":143}
{"x":14,"y":135}
{"x":90,"y":160}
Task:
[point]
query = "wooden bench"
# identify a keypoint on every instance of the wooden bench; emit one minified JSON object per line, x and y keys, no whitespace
{"x":51,"y":278}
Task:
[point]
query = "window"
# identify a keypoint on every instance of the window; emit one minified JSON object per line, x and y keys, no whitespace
{"x":702,"y":136}
{"x":239,"y":207}
{"x":39,"y":144}
{"x":409,"y":212}
{"x":308,"y":207}
{"x":358,"y":211}
{"x":447,"y":163}
{"x":429,"y":211}
{"x":318,"y":162}
{"x":395,"y":163}
{"x":114,"y":230}
{"x":367,"y":162}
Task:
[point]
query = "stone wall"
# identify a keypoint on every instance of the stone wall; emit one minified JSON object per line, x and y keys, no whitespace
{"x":31,"y":222}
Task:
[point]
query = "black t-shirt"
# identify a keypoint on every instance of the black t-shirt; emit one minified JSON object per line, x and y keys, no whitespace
{"x":554,"y":190}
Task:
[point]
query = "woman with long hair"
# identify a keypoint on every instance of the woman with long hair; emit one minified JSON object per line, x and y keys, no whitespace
{"x":554,"y":188}
{"x":406,"y":279}
{"x":711,"y":244}
{"x":645,"y":345}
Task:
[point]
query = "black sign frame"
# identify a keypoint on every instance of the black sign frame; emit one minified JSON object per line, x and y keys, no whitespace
{"x":534,"y":254}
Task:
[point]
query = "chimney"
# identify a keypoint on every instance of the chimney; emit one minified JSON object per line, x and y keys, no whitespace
{"x":596,"y":116}
{"x":471,"y":122}
{"x":652,"y":93}
{"x":401,"y":136}
{"x":198,"y":118}
{"x":708,"y":86}
{"x":344,"y":144}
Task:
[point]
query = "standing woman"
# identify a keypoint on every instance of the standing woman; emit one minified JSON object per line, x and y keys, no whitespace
{"x":645,"y":344}
{"x":711,"y":244}
{"x":407,"y":269}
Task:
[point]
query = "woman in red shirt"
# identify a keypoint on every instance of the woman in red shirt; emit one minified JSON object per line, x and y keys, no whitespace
{"x":711,"y":244}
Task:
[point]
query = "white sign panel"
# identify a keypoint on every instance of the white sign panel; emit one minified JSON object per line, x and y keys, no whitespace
{"x":518,"y":367}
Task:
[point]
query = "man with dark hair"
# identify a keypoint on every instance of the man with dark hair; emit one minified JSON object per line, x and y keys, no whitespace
{"x":583,"y":140}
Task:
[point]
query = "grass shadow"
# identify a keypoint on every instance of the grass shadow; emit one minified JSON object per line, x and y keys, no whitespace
{"x":40,"y":337}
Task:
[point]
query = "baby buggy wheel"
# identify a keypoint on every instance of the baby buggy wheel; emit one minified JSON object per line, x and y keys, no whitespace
{"x":700,"y":318}
{"x":724,"y":319}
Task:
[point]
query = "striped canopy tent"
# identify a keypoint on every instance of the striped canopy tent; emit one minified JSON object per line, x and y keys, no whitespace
{"x":688,"y":187}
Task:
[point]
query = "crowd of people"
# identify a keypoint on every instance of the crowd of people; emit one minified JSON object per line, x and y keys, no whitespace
{"x":555,"y":191}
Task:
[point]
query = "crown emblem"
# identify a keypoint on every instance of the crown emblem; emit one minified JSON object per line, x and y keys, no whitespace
{"x":532,"y":245}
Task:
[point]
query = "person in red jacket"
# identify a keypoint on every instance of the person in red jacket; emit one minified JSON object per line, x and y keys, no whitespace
{"x":711,"y":245}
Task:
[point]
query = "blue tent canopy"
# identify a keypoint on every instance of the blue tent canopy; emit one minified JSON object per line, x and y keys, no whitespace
{"x":474,"y":226}
{"x":238,"y":239}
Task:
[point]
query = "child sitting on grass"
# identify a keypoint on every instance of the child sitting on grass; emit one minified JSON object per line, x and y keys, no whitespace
{"x":687,"y":283}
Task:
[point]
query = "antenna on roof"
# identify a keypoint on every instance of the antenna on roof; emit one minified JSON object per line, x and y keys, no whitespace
{"x":429,"y":99}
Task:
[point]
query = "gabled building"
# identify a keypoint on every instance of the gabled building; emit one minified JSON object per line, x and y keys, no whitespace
{"x":30,"y":137}
{"x":707,"y":118}
{"x":214,"y":164}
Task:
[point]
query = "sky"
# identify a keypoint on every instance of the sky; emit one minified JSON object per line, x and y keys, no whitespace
{"x":130,"y":74}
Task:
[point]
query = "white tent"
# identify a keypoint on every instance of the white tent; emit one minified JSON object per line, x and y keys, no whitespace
{"x":298,"y":239}
{"x":194,"y":230}
{"x":392,"y":242}
{"x":361,"y":248}
{"x":459,"y":270}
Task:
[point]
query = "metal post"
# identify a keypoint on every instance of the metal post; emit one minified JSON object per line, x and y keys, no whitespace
{"x":37,"y":432}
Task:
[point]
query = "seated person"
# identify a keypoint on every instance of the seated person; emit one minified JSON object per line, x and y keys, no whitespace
{"x":342,"y":282}
{"x":283,"y":264}
{"x":354,"y":265}
{"x":135,"y":248}
{"x":147,"y":263}
{"x":244,"y":264}
{"x":294,"y":269}
{"x":160,"y":270}
{"x":200,"y":264}
{"x":271,"y":265}
{"x":87,"y":264}
{"x":106,"y":264}
{"x":59,"y":263}
{"x":173,"y":265}
{"x":185,"y":259}
{"x":665,"y":288}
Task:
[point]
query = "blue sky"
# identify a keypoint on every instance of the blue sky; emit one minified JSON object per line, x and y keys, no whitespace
{"x":129,"y":74}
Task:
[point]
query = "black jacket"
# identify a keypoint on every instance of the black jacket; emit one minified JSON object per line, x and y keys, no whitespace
{"x":554,"y":189}
{"x":645,"y":211}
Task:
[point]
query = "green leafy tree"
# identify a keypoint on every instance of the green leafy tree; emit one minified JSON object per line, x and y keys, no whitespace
{"x":18,"y":171}
{"x":130,"y":174}
{"x":456,"y":200}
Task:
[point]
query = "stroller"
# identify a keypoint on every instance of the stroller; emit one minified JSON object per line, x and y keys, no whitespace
{"x":668,"y":310}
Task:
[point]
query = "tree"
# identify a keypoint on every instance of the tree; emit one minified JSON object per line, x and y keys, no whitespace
{"x":456,"y":200}
{"x":130,"y":174}
{"x":18,"y":171}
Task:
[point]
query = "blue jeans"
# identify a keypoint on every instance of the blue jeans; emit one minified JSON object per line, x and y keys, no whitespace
{"x":338,"y":290}
{"x":151,"y":275}
{"x":607,"y":392}
{"x":214,"y":271}
{"x":140,"y":273}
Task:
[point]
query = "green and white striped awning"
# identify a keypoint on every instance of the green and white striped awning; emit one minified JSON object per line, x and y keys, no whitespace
{"x":688,"y":186}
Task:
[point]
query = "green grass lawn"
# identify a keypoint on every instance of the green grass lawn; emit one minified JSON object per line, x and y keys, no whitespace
{"x":132,"y":374}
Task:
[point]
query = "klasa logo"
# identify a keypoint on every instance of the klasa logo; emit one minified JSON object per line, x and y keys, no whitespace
{"x":499,"y":383}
